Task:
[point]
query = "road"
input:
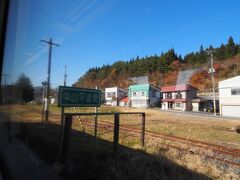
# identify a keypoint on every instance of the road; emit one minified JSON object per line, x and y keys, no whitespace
{"x":200,"y":114}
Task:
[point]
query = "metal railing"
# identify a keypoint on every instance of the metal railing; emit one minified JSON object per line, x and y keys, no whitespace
{"x":66,"y":135}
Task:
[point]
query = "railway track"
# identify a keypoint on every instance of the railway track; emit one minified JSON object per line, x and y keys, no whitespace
{"x":227,"y":156}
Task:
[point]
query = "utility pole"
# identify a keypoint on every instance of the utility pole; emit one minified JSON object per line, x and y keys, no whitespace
{"x":62,"y":110}
{"x":65,"y":75}
{"x":212,"y":72}
{"x":95,"y":126}
{"x":44,"y":84}
{"x":46,"y":108}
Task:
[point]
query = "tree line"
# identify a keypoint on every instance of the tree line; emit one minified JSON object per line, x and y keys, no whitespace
{"x":118,"y":73}
{"x":20,"y":92}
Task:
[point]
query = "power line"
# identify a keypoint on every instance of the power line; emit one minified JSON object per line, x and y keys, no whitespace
{"x":46,"y":109}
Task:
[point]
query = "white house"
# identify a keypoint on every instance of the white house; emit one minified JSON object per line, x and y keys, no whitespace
{"x":229,"y":97}
{"x":113,"y":95}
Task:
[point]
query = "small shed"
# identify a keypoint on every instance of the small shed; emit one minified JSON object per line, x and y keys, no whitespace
{"x":123,"y":102}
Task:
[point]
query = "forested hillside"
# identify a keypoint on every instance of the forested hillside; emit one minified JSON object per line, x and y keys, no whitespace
{"x":164,"y":69}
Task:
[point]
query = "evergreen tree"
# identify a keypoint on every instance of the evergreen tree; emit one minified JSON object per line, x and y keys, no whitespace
{"x":25,"y":91}
{"x":171,"y":55}
{"x":190,"y":58}
{"x":201,"y":56}
{"x":220,"y":52}
{"x":152,"y":65}
{"x":231,"y":48}
{"x":180,"y":58}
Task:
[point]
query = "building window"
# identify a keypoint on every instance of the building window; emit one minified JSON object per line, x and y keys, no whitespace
{"x":143,"y":93}
{"x":178,"y":105}
{"x":235,"y":91}
{"x":178,"y":95}
{"x":168,"y":95}
{"x":134,"y":93}
{"x":111,"y":94}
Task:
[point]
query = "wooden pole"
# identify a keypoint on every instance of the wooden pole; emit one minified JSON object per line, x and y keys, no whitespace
{"x":47,"y":100}
{"x":95,"y":125}
{"x":116,"y":132}
{"x":65,"y":140}
{"x":143,"y":129}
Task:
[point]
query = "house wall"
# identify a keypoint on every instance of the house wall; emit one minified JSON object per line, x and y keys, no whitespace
{"x":191,"y":94}
{"x":119,"y":94}
{"x":184,"y":106}
{"x":182,"y":92}
{"x":144,"y":96}
{"x":122,"y":104}
{"x":229,"y":102}
{"x":225,"y":97}
{"x":174,"y":94}
{"x":164,"y":105}
{"x":139,"y":99}
{"x":195,"y":107}
{"x":110,"y":100}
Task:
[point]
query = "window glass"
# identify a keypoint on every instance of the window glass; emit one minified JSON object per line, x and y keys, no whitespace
{"x":178,"y":95}
{"x":169,"y":95}
{"x":173,"y":55}
{"x":178,"y":104}
{"x":235,"y":91}
{"x":111,"y":94}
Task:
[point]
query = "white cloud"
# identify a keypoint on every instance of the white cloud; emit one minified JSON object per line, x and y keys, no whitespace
{"x":85,"y":15}
{"x":36,"y":56}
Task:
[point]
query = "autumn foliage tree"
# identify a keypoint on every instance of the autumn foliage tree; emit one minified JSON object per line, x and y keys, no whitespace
{"x":162,"y":69}
{"x":201,"y":80}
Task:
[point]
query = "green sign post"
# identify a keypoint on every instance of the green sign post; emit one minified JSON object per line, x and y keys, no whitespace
{"x":78,"y":97}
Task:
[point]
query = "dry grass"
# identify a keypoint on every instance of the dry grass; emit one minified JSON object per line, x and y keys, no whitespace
{"x":200,"y":128}
{"x":191,"y":161}
{"x":203,"y":128}
{"x":195,"y":127}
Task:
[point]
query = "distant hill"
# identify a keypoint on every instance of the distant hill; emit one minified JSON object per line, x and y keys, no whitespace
{"x":168,"y":68}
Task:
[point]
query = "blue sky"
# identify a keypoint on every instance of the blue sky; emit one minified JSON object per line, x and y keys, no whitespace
{"x":96,"y":32}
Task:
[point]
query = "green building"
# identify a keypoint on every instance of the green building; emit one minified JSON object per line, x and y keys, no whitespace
{"x":144,"y":95}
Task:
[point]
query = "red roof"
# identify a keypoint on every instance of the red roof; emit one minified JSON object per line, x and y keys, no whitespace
{"x":177,"y":88}
{"x":124,"y":100}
